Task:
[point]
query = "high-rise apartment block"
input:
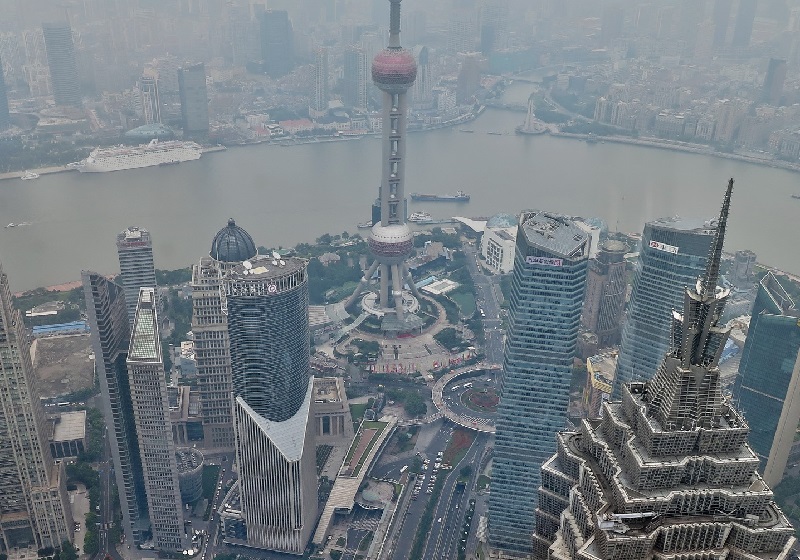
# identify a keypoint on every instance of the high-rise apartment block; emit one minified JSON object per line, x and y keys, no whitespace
{"x":231,"y":246}
{"x":148,"y":393}
{"x":106,"y":310}
{"x":767,"y":388}
{"x":606,"y":284}
{"x":319,"y":104}
{"x":34,"y":506}
{"x":151,"y":102}
{"x":5,"y":120}
{"x":135,"y":252}
{"x":667,"y":472}
{"x":62,"y":63}
{"x":773,"y":81}
{"x":355,"y":78}
{"x":194,"y":101}
{"x":277,"y":48}
{"x":266,"y":300}
{"x":673,"y":254}
{"x":545,"y":312}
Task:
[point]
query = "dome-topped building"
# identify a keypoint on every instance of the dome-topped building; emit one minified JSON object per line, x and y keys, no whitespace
{"x":232,"y":244}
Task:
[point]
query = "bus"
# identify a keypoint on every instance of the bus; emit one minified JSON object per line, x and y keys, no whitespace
{"x":404,"y":469}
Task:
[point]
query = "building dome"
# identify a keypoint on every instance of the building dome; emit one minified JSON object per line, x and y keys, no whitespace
{"x":502,"y":221}
{"x":394,"y":70}
{"x":391,"y":244}
{"x":232,"y":244}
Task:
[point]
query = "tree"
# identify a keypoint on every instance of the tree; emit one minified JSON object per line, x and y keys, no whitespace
{"x":91,"y":544}
{"x":466,"y":471}
{"x":68,"y":551}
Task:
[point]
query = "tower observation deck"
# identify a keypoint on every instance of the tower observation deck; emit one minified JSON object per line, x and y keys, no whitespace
{"x":393,"y":71}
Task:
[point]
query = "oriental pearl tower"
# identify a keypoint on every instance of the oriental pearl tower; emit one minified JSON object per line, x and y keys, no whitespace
{"x":391,"y":241}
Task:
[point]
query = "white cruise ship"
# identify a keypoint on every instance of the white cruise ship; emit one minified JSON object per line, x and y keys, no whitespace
{"x":118,"y":158}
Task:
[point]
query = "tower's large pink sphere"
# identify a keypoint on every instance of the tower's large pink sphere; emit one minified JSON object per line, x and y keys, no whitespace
{"x":394,"y":70}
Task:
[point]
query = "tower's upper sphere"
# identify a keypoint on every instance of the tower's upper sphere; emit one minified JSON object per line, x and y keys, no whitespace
{"x":391,"y":244}
{"x":232,"y":244}
{"x":394,"y":70}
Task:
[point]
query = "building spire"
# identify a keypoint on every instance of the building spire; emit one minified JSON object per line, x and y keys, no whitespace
{"x":709,"y":281}
{"x":394,"y":24}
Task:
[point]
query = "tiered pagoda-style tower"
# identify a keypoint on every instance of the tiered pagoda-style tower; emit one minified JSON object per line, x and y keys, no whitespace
{"x":667,"y":472}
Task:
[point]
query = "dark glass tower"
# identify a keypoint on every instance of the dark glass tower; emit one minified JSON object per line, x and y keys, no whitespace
{"x":5,"y":120}
{"x":673,"y":254}
{"x":110,"y":332}
{"x":194,"y":101}
{"x":545,"y":310}
{"x":277,"y":49}
{"x":743,"y":28}
{"x":62,"y":63}
{"x":767,"y":373}
{"x":266,"y":302}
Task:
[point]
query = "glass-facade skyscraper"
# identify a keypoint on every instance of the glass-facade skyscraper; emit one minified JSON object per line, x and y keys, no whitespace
{"x":5,"y":120}
{"x":194,"y":100}
{"x":62,"y":63}
{"x":768,"y":372}
{"x":136,"y":267}
{"x":266,"y":301}
{"x":277,"y":49}
{"x":545,"y":311}
{"x":673,"y":255}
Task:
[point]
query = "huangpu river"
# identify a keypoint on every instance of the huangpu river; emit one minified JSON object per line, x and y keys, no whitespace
{"x":286,"y":195}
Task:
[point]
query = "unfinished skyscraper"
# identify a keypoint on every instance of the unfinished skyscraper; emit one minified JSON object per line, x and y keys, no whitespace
{"x":667,"y":472}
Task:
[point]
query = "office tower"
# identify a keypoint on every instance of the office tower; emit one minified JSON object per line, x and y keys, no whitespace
{"x":194,"y":101}
{"x":354,"y":92}
{"x":773,"y":82}
{"x":767,"y":386}
{"x":672,"y":256}
{"x":390,"y":241}
{"x":606,"y":284}
{"x":5,"y":120}
{"x":135,"y":252}
{"x":231,"y":246}
{"x":422,"y":90}
{"x":106,"y":311}
{"x":319,"y":104}
{"x":148,"y":394}
{"x":61,"y":60}
{"x":37,"y":75}
{"x":611,"y":24}
{"x":493,"y":26}
{"x":151,"y":102}
{"x":277,"y":49}
{"x":667,"y":472}
{"x":722,"y":17}
{"x":34,"y":506}
{"x":743,"y":27}
{"x":545,"y":312}
{"x":469,"y":77}
{"x":462,"y":32}
{"x":743,"y":263}
{"x":267,"y":305}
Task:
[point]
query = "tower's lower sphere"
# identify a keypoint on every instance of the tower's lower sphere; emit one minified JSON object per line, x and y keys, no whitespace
{"x":394,"y":70}
{"x":391,"y":244}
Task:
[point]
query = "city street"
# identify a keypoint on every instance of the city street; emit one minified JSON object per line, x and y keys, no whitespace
{"x":487,"y":289}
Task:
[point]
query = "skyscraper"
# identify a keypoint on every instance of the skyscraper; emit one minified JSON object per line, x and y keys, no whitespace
{"x":61,"y":60}
{"x":545,"y":312}
{"x":148,"y":393}
{"x":667,"y":472}
{"x":151,"y":102}
{"x":194,"y":100}
{"x":766,"y":388}
{"x":722,"y":17}
{"x":355,"y":78}
{"x":231,"y":246}
{"x":106,"y":311}
{"x":743,"y":27}
{"x":606,"y":285}
{"x":266,"y":300}
{"x":422,"y":92}
{"x":391,"y":241}
{"x":319,"y":105}
{"x":5,"y":120}
{"x":34,"y":506}
{"x":773,"y":81}
{"x":672,"y":256}
{"x":277,"y":48}
{"x":135,"y":252}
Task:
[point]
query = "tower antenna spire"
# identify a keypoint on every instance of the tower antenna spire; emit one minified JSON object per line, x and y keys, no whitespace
{"x":709,"y":281}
